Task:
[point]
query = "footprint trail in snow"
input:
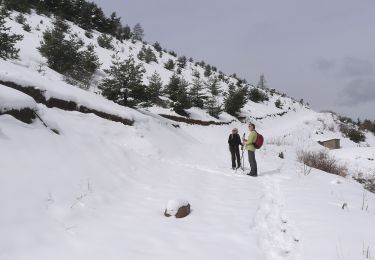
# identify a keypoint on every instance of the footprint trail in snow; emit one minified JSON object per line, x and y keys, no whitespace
{"x":278,"y":238}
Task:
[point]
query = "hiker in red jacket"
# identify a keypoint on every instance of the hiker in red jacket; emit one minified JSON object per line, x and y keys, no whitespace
{"x":234,"y":141}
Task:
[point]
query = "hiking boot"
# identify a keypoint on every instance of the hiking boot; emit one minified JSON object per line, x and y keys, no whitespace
{"x":239,"y":166}
{"x":252,"y":175}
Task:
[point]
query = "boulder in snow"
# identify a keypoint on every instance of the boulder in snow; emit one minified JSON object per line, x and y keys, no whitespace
{"x":178,"y":208}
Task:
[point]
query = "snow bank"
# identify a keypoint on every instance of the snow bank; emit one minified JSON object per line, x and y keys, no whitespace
{"x":54,"y":87}
{"x":11,"y":99}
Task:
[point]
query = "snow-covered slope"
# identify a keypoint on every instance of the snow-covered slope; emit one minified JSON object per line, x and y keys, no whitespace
{"x":98,"y":189}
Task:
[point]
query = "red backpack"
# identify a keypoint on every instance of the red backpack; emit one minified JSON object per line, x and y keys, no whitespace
{"x":258,"y":141}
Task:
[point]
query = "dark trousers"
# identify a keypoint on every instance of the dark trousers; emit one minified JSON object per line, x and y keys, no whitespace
{"x":253,"y":163}
{"x":235,"y":152}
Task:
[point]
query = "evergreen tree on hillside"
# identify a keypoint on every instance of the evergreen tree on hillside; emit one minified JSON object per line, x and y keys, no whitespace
{"x":147,"y":55}
{"x":124,"y":82}
{"x":207,"y":70}
{"x":181,"y":62}
{"x":22,"y":6}
{"x":85,"y":14}
{"x":176,"y":90}
{"x":262,"y":82}
{"x":7,"y":40}
{"x":113,"y":24}
{"x":124,"y":33}
{"x":212,"y":105}
{"x":138,"y":32}
{"x":213,"y":86}
{"x":196,"y":93}
{"x":82,"y":73}
{"x":157,"y":47}
{"x":169,"y":65}
{"x":154,"y":88}
{"x":67,"y":56}
{"x":105,"y":41}
{"x":235,"y":99}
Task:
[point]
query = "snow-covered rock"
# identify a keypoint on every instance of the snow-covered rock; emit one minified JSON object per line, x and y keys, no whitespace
{"x":179,"y":208}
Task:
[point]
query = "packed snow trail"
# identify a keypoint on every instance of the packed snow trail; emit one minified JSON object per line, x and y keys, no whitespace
{"x":278,"y":238}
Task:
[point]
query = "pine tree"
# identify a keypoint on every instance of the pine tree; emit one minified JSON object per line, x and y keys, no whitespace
{"x":147,"y":55}
{"x":22,"y":6}
{"x":196,"y":93}
{"x":212,"y":105}
{"x":177,"y":92}
{"x":235,"y":99}
{"x":81,"y":73}
{"x":262,"y":82}
{"x":207,"y":71}
{"x":124,"y":33}
{"x":138,"y":32}
{"x":124,"y":82}
{"x":213,"y":86}
{"x":154,"y":88}
{"x":7,"y":40}
{"x":181,"y":62}
{"x":67,"y":56}
{"x":157,"y":47}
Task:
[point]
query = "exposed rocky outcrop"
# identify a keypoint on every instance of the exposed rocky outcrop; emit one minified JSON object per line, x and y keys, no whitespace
{"x":193,"y":121}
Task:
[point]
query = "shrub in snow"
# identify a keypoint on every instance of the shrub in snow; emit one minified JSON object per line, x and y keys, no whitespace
{"x":21,"y":19}
{"x":278,"y":104}
{"x":352,"y":133}
{"x":26,"y":27}
{"x":173,"y":53}
{"x":257,"y":95}
{"x":169,"y":65}
{"x":323,"y":161}
{"x":7,"y":40}
{"x":147,"y":55}
{"x":105,"y":41}
{"x":89,"y":34}
{"x":178,"y":208}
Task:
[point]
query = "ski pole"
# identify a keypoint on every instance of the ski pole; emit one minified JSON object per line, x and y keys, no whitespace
{"x":243,"y":159}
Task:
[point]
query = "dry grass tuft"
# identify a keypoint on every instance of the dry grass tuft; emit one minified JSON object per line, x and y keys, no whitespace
{"x":323,"y":161}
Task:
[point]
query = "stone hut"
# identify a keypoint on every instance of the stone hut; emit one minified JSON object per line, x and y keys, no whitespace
{"x":331,"y":143}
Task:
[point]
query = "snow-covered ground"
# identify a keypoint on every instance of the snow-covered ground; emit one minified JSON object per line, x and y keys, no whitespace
{"x":98,"y":189}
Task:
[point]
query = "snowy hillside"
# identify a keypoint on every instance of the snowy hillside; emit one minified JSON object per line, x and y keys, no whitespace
{"x":90,"y":179}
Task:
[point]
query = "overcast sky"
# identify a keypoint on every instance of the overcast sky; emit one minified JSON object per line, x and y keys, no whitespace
{"x":320,"y":50}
